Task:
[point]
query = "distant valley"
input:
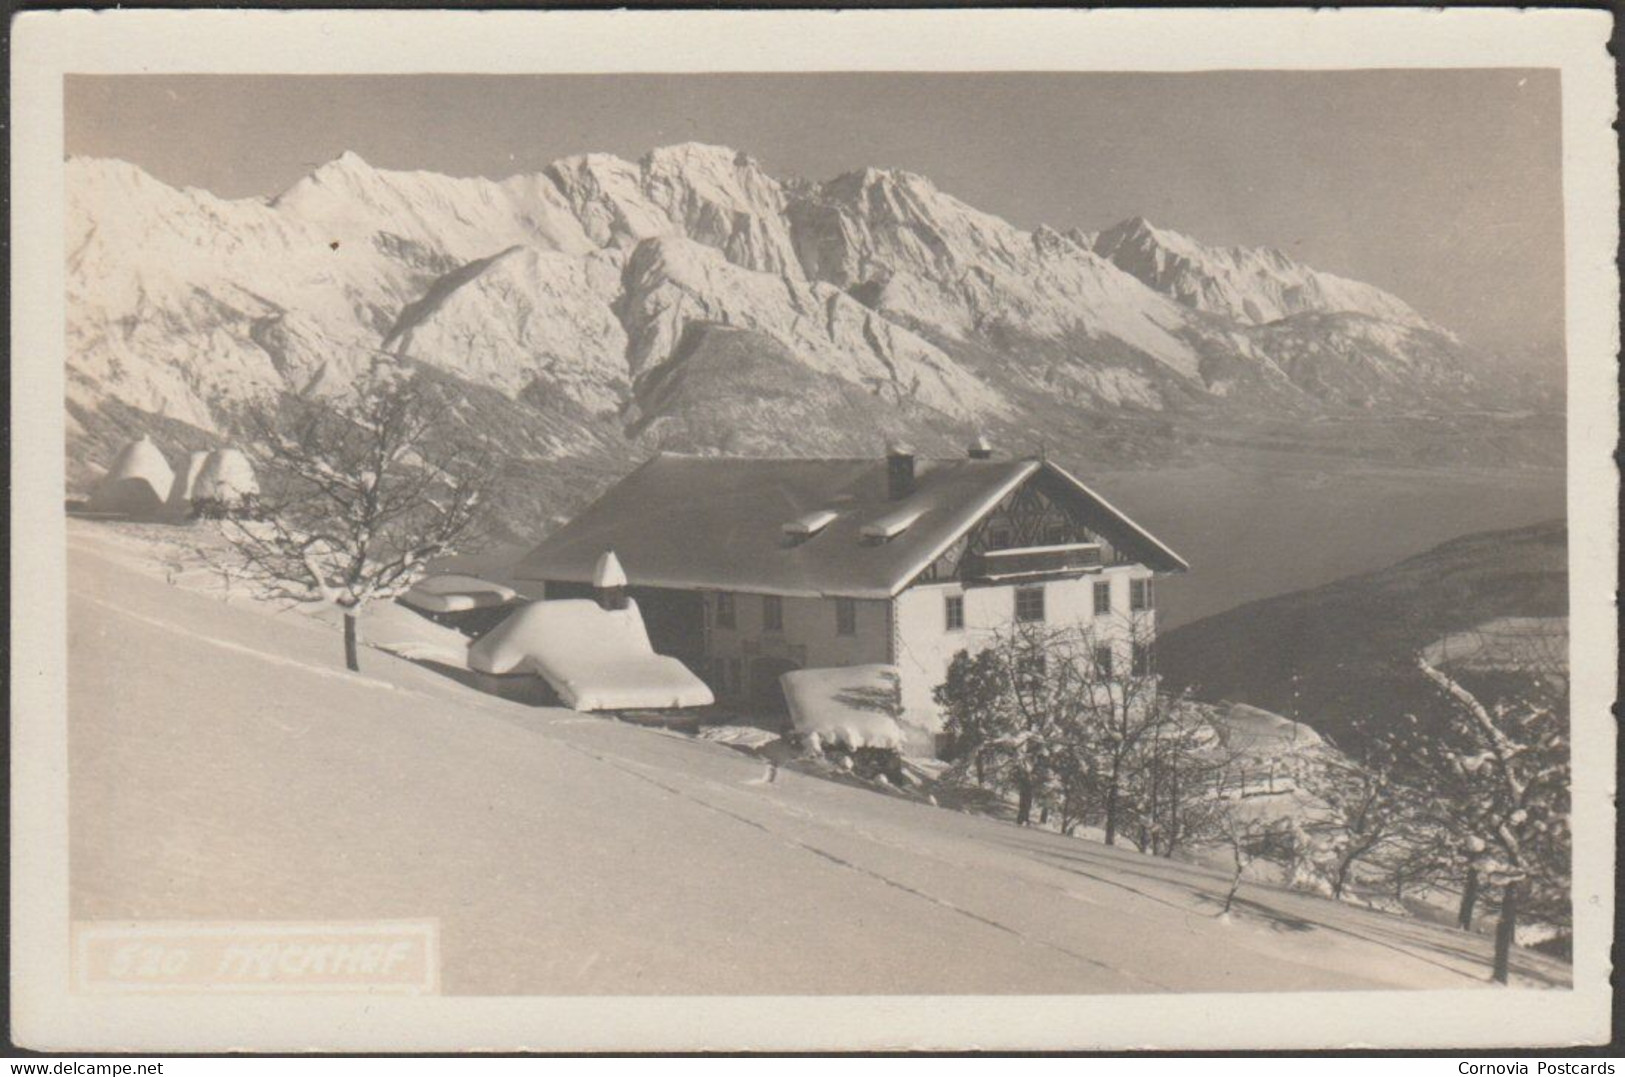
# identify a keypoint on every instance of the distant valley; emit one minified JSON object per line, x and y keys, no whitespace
{"x":1344,"y":653}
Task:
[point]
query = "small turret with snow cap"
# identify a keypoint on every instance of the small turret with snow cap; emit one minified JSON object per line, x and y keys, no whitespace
{"x":609,"y":582}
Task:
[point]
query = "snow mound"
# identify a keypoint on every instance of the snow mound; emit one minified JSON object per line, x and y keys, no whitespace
{"x":398,"y":630}
{"x":1264,"y":734}
{"x":851,"y":706}
{"x":595,"y":659}
{"x":180,"y":491}
{"x":455,"y":593}
{"x":227,"y":475}
{"x":739,"y":736}
{"x":137,"y":483}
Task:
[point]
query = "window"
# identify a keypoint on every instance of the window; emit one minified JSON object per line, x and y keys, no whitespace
{"x":725,"y":610}
{"x":1142,"y":658}
{"x":998,"y":538}
{"x":1056,"y":534}
{"x":772,"y":613}
{"x":1139,"y":594}
{"x":1029,"y":603}
{"x":953,"y":612}
{"x":846,"y":617}
{"x":1103,"y":597}
{"x":1103,"y":660}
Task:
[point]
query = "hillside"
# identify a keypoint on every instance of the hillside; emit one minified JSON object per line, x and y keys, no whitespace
{"x":617,"y":298}
{"x":1345,"y":652}
{"x":571,"y":854}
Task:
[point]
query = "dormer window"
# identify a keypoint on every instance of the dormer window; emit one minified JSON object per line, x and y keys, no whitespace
{"x":887,"y":527}
{"x":806,"y":526}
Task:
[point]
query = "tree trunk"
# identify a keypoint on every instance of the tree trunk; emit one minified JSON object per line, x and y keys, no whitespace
{"x":351,"y":661}
{"x":1341,"y":877}
{"x":1235,"y":880}
{"x":1505,"y":932}
{"x":1111,"y":812}
{"x":1469,"y":898}
{"x":1024,"y":805}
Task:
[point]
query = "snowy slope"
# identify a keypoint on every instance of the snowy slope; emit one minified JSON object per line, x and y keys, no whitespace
{"x":571,"y":855}
{"x":577,"y":284}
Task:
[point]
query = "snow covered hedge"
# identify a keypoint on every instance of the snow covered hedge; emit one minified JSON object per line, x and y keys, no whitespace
{"x":852,"y":707}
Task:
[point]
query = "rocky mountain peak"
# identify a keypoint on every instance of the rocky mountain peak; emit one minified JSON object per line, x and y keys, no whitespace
{"x":585,"y":285}
{"x":1252,"y":284}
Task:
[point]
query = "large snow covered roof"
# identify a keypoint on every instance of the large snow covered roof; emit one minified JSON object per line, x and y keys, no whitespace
{"x":718,"y":523}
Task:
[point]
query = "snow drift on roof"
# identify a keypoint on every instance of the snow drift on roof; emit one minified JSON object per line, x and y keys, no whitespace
{"x":180,"y":491}
{"x":137,"y":483}
{"x":227,"y":475}
{"x":455,"y":593}
{"x":595,"y":659}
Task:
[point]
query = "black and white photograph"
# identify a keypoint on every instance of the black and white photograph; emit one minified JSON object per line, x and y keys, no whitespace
{"x":840,"y":534}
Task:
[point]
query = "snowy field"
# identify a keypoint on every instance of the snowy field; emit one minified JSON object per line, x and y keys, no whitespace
{"x":224,"y":766}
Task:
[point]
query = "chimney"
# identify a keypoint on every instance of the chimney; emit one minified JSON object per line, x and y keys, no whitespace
{"x":980,"y":449}
{"x":899,"y":471}
{"x":609,"y":582}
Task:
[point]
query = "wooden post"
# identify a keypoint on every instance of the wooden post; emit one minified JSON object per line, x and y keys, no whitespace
{"x":351,"y":661}
{"x":1469,"y":898}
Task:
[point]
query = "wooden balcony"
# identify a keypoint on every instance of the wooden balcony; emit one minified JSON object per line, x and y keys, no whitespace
{"x":1028,"y":562}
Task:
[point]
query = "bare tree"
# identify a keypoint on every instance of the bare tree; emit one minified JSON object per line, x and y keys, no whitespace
{"x":1365,"y":809}
{"x":1120,"y":705}
{"x":1501,"y":781}
{"x":1012,"y":710}
{"x":1177,"y":776}
{"x":1062,"y":716}
{"x":362,"y":492}
{"x":1250,"y":835}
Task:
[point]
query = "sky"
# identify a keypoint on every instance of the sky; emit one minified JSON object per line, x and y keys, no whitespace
{"x":1442,"y":186}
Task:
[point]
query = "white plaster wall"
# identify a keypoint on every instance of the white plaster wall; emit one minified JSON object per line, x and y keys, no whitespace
{"x":809,"y":623}
{"x":925,"y":647}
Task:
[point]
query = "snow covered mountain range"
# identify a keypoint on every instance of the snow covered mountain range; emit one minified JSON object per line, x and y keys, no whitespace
{"x":691,"y":300}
